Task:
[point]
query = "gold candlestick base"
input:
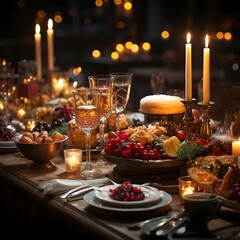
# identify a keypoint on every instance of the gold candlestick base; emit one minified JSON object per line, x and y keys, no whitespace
{"x":205,"y":130}
{"x":188,"y":121}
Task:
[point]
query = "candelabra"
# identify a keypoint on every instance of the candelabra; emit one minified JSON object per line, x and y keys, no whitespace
{"x":206,"y":131}
{"x":188,"y":120}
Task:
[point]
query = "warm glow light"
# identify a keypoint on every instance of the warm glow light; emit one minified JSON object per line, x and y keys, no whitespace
{"x":50,"y":23}
{"x":98,"y":3}
{"x":117,"y":2}
{"x":228,"y":36}
{"x":128,"y":44}
{"x":77,"y":70}
{"x":58,"y":18}
{"x":188,"y":38}
{"x":128,"y":6}
{"x":96,"y":54}
{"x":135,"y":48}
{"x":115,"y":55}
{"x":206,"y":41}
{"x":219,"y":35}
{"x":75,"y":83}
{"x":119,"y":47}
{"x":37,"y":28}
{"x":165,"y":34}
{"x":146,"y":46}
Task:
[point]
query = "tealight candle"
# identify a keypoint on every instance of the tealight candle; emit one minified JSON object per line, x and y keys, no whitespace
{"x":30,"y":124}
{"x":73,"y":159}
{"x":60,"y":82}
{"x":186,"y":186}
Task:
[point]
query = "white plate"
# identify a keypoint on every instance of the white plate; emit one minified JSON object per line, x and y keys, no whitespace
{"x":93,"y":201}
{"x":151,"y":196}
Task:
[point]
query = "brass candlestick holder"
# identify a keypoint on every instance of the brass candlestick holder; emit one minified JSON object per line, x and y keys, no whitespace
{"x":188,"y":120}
{"x":205,"y":130}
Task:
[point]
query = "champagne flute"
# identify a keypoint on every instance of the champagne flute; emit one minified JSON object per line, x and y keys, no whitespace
{"x":121,"y":92}
{"x":103,"y":84}
{"x":87,"y":114}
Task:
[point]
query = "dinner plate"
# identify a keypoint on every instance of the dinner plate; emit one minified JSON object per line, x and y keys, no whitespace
{"x":91,"y":199}
{"x":152,"y":195}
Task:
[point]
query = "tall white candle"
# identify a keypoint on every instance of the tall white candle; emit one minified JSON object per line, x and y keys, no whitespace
{"x":188,"y":69}
{"x":38,"y":54}
{"x":206,"y":73}
{"x":50,"y":42}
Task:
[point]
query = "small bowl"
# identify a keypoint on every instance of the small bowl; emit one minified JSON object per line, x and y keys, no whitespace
{"x":40,"y":153}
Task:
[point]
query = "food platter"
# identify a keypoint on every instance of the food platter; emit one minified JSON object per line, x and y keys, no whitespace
{"x":164,"y":171}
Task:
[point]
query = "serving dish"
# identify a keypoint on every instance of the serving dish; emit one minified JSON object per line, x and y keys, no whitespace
{"x":152,"y":195}
{"x":164,"y":171}
{"x":91,"y":199}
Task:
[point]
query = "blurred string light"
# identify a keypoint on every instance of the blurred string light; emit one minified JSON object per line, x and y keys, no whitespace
{"x":119,"y":47}
{"x":146,"y":46}
{"x":227,"y":35}
{"x":58,"y":17}
{"x":165,"y":34}
{"x":96,"y":53}
{"x":115,"y":55}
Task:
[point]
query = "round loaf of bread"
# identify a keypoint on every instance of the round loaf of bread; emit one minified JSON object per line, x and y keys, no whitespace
{"x":162,"y":104}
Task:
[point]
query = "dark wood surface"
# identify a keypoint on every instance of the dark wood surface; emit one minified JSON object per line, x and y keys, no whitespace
{"x":28,"y":212}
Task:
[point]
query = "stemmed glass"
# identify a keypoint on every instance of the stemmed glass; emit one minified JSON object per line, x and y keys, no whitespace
{"x":87,"y":114}
{"x":103,"y":84}
{"x":121,"y":92}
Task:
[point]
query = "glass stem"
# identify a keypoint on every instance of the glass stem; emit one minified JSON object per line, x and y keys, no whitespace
{"x":88,"y":165}
{"x":101,"y":133}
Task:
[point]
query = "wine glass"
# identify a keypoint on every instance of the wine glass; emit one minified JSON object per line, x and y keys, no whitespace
{"x":103,"y":84}
{"x":121,"y":92}
{"x":87,"y":114}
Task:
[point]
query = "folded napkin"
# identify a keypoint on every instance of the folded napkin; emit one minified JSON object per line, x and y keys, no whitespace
{"x":59,"y":185}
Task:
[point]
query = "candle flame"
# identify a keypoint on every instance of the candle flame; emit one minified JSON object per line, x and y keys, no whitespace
{"x":206,"y":41}
{"x":37,"y":28}
{"x":188,"y":37}
{"x":50,"y":23}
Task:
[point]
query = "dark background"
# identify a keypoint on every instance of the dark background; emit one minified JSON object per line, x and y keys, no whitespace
{"x":85,"y":27}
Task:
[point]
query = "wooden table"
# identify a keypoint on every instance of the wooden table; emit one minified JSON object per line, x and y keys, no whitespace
{"x":29,"y":211}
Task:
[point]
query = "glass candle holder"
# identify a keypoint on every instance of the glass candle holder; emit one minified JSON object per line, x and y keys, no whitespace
{"x":73,"y":159}
{"x":186,"y":186}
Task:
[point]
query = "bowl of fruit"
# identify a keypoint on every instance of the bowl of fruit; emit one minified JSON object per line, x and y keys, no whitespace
{"x":40,"y":147}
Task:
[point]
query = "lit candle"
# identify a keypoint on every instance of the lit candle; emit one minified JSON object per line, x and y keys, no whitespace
{"x":21,"y":113}
{"x":188,"y":69}
{"x":187,"y":190}
{"x":206,"y":73}
{"x":73,"y":159}
{"x":38,"y":54}
{"x":236,"y":148}
{"x":50,"y":45}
